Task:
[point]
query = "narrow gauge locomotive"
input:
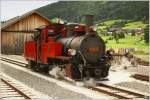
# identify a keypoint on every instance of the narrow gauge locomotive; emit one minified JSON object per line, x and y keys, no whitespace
{"x":75,"y":48}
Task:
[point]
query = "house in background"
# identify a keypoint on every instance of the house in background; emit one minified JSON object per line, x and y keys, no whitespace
{"x":16,"y":31}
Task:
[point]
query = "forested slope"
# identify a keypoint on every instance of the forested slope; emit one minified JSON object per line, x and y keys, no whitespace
{"x":71,"y":10}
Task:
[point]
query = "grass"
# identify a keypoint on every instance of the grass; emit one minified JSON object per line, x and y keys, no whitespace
{"x":129,"y":25}
{"x":133,"y":25}
{"x":110,"y":22}
{"x":107,"y":24}
{"x":142,"y":49}
{"x":128,"y":42}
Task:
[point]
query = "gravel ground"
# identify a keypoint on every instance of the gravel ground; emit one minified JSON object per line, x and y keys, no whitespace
{"x":44,"y":86}
{"x":34,"y":95}
{"x":143,"y":70}
{"x":123,"y":62}
{"x":138,"y":69}
{"x":136,"y":86}
{"x":68,"y":94}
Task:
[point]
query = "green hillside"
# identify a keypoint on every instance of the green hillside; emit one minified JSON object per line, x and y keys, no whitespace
{"x":128,"y":41}
{"x":71,"y":10}
{"x":137,"y":42}
{"x":136,"y":24}
{"x":128,"y":24}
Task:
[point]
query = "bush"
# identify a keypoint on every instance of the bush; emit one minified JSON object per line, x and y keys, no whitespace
{"x":120,"y":23}
{"x":121,"y":35}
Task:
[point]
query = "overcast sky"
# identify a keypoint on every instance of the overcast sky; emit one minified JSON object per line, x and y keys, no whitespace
{"x":13,"y":8}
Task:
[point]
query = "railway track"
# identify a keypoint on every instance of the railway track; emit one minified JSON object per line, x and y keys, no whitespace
{"x":9,"y":90}
{"x":114,"y":91}
{"x":119,"y":92}
{"x":141,"y":77}
{"x":22,"y":64}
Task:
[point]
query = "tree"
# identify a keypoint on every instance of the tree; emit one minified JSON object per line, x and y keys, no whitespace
{"x":102,"y":10}
{"x":146,"y":34}
{"x":116,"y":37}
{"x":121,"y":35}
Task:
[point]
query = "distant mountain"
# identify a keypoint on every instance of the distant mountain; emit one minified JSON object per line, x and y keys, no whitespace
{"x":71,"y":10}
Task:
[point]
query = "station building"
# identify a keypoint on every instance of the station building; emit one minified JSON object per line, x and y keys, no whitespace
{"x":16,"y":31}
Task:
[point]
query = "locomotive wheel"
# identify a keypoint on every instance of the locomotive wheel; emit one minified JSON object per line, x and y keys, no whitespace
{"x":86,"y":74}
{"x":76,"y":73}
{"x":33,"y":65}
{"x":37,"y":67}
{"x":98,"y":73}
{"x":106,"y":70}
{"x":41,"y":68}
{"x":44,"y":68}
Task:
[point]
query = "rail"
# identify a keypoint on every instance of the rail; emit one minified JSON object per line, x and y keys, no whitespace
{"x":141,"y":77}
{"x":14,"y":89}
{"x":14,"y":62}
{"x":117,"y":91}
{"x":104,"y":88}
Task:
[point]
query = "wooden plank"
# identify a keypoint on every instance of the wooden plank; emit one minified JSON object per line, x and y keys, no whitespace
{"x":31,"y":22}
{"x":14,"y":32}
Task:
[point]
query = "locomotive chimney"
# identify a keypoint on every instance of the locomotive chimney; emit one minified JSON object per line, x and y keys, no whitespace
{"x":89,"y":24}
{"x":89,"y":20}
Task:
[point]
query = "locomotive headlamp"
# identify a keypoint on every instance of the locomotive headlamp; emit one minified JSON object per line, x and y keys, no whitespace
{"x":72,"y":52}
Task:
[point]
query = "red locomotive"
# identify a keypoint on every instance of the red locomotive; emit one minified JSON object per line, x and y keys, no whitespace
{"x":76,"y":49}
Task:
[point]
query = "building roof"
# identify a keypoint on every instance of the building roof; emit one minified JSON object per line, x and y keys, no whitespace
{"x":9,"y":22}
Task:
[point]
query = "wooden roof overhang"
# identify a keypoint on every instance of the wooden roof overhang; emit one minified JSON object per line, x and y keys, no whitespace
{"x":16,"y":19}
